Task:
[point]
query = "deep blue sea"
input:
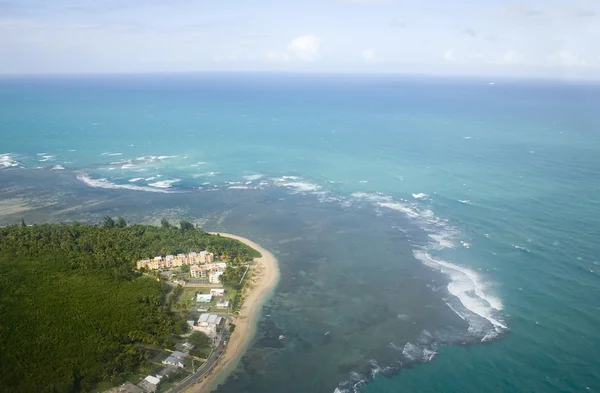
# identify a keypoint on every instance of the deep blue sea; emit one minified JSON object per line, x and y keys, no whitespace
{"x":434,"y":235}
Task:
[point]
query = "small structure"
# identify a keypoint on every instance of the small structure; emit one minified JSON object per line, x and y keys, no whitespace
{"x":217,"y":291}
{"x":149,"y":384}
{"x":175,"y":359}
{"x":204,"y":297}
{"x":203,"y":308}
{"x":223,"y":303}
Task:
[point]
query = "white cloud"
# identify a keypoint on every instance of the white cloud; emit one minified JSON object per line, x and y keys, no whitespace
{"x":305,"y":47}
{"x":511,"y":57}
{"x":449,"y":55}
{"x":567,"y":58}
{"x":369,"y":55}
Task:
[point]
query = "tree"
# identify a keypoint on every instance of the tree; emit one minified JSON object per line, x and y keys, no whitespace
{"x":164,"y":223}
{"x":186,"y":225}
{"x":199,"y":339}
{"x":23,"y":222}
{"x":121,"y":223}
{"x":109,"y":222}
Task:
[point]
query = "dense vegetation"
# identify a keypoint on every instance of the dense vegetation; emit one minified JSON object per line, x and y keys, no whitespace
{"x":72,"y":306}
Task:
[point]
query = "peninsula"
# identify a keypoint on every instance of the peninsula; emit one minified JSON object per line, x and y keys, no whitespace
{"x":127,"y":306}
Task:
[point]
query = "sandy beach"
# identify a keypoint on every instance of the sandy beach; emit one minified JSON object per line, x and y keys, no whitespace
{"x":265,"y":275}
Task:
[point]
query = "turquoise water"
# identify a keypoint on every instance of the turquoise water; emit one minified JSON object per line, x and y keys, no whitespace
{"x":474,"y":206}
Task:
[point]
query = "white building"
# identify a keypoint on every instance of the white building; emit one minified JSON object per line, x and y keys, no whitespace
{"x":208,"y":324}
{"x":222,"y":303}
{"x":204,"y":297}
{"x":215,"y":277}
{"x":175,"y":359}
{"x":217,"y":291}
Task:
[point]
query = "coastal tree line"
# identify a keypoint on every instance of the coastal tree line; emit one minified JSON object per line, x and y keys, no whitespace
{"x":73,"y":309}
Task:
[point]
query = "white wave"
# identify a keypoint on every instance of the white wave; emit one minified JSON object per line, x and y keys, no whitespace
{"x":127,"y":166}
{"x":253,"y":177}
{"x":239,"y":188}
{"x":150,"y":178}
{"x":466,"y":137}
{"x":199,"y":163}
{"x":7,"y":161}
{"x":443,"y":240}
{"x":400,"y":207}
{"x":468,"y":287}
{"x":111,"y":154}
{"x":295,"y":185}
{"x":373,"y":197}
{"x":363,"y":181}
{"x":420,"y":196}
{"x":104,"y":183}
{"x":57,"y":168}
{"x":164,"y":183}
{"x":465,"y":201}
{"x":414,"y":353}
{"x":207,"y":174}
{"x":135,"y":179}
{"x":41,"y":154}
{"x":47,"y":158}
{"x":522,"y":248}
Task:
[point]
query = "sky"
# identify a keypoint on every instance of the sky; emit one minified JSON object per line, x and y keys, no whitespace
{"x":548,"y":38}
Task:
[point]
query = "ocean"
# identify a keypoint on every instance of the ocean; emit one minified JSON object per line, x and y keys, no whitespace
{"x":433,"y":234}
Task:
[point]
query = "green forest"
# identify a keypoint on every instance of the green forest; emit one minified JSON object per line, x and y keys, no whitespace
{"x":73,"y":309}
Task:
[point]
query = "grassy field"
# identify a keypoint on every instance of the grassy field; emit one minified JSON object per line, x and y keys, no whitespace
{"x":185,"y":300}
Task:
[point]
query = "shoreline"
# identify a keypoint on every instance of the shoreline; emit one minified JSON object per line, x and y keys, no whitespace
{"x":265,"y":276}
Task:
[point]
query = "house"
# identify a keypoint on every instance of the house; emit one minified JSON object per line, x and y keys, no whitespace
{"x":208,"y":324}
{"x":204,"y":297}
{"x":127,"y":387}
{"x":217,"y":291}
{"x":223,"y":303}
{"x":149,"y":384}
{"x":176,"y":359}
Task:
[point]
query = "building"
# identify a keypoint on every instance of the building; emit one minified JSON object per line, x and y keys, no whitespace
{"x":223,"y":303}
{"x":193,"y":258}
{"x":204,"y":297}
{"x":217,"y":291}
{"x":206,"y":257}
{"x":215,"y":277}
{"x":195,"y":271}
{"x":176,"y":359}
{"x":208,"y":324}
{"x":127,"y":387}
{"x":149,"y":384}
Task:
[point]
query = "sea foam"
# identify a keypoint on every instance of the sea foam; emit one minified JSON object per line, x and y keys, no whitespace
{"x":470,"y":289}
{"x":104,"y":183}
{"x":7,"y":161}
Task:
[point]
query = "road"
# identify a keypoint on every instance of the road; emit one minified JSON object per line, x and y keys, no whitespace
{"x":212,"y":359}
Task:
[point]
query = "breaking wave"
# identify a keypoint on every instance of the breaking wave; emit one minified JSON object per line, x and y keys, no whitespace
{"x":7,"y":161}
{"x":104,"y":183}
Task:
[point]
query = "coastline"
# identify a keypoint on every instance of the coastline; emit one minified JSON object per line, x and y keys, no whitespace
{"x":265,"y":276}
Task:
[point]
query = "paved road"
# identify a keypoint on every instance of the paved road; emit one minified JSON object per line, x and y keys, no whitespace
{"x":206,"y":366}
